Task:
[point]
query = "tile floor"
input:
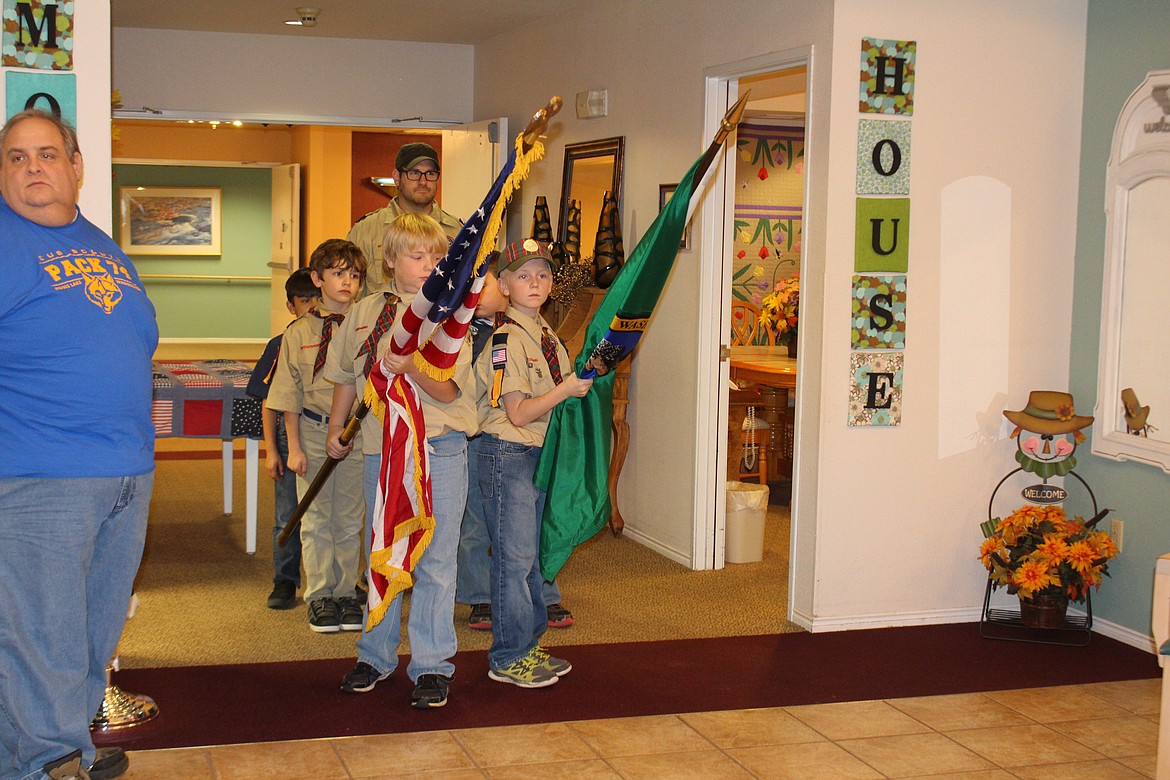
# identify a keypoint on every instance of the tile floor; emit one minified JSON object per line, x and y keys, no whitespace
{"x":1102,"y":730}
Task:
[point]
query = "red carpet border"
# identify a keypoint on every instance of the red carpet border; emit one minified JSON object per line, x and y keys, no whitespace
{"x":212,"y":705}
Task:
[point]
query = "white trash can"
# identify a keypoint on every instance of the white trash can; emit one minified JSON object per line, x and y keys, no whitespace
{"x":747,"y":505}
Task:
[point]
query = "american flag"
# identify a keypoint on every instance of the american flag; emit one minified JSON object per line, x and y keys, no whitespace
{"x":438,"y":320}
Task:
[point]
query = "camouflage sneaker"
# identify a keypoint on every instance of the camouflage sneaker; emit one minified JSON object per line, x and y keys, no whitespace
{"x":526,"y":672}
{"x":558,"y":666}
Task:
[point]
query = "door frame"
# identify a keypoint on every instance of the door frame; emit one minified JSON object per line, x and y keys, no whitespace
{"x":721,"y":90}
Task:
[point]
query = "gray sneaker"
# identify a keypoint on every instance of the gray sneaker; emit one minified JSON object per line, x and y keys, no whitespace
{"x":324,"y":616}
{"x":558,"y":666}
{"x":527,"y":672}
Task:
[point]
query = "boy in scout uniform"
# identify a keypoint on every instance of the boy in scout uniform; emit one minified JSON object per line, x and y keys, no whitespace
{"x":413,"y":246}
{"x":331,"y":528}
{"x":522,"y":371}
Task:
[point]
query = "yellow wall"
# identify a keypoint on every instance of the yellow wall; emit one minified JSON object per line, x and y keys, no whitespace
{"x":324,"y":154}
{"x":152,"y":140}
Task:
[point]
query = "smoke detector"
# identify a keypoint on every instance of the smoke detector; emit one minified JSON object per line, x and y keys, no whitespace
{"x":306,"y":17}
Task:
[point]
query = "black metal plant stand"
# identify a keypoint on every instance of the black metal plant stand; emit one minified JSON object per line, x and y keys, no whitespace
{"x":1006,"y":624}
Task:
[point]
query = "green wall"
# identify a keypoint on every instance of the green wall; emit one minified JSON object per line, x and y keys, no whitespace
{"x":189,"y":309}
{"x":1125,"y":41}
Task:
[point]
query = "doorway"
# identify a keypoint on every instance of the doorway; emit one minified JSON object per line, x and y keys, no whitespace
{"x":780,"y":84}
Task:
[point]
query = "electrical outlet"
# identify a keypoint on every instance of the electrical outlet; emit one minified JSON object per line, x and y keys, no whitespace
{"x":1117,"y":531}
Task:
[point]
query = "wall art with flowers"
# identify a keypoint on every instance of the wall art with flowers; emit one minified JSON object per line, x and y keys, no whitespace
{"x":875,"y":389}
{"x":769,"y":175}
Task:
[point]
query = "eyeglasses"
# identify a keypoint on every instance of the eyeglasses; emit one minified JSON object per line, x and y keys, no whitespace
{"x":415,"y":175}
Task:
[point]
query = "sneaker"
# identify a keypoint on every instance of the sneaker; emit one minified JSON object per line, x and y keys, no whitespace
{"x":558,"y":666}
{"x":362,"y":679}
{"x":558,"y":616}
{"x":526,"y":672}
{"x":324,"y":617}
{"x":110,"y":762}
{"x":283,"y":595}
{"x":430,"y":691}
{"x":481,"y":617}
{"x":351,"y":614}
{"x":67,"y":768}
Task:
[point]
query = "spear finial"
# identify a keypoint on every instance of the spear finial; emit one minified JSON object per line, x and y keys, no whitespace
{"x":539,"y":121}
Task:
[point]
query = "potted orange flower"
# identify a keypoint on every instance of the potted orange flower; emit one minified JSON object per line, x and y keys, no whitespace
{"x":1046,"y":559}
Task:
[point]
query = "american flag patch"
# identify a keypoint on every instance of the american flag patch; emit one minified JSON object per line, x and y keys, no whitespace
{"x":499,"y":356}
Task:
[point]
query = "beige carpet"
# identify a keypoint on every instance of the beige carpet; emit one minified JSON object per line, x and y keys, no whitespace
{"x":202,"y":598}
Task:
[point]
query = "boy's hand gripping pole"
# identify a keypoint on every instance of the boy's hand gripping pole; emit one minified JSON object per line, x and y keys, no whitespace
{"x":352,"y":426}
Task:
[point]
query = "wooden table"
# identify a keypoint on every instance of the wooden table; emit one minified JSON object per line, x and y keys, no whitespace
{"x":206,"y":399}
{"x":775,"y":373}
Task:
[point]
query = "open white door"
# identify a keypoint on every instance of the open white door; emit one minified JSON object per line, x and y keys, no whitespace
{"x":472,"y":156}
{"x":286,"y":243}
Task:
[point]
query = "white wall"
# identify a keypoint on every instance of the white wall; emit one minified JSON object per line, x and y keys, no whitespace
{"x":91,"y":46}
{"x":998,"y":97}
{"x":280,"y":75}
{"x":651,"y":57}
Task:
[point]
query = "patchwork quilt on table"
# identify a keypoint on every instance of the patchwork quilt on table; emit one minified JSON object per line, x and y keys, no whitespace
{"x":205,"y":399}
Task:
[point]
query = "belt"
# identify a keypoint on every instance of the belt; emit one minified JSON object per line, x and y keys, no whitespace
{"x":323,"y":419}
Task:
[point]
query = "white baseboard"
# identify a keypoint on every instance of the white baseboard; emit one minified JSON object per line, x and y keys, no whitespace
{"x":816,"y":625}
{"x":887,"y":620}
{"x":675,"y":555}
{"x":1127,"y":636}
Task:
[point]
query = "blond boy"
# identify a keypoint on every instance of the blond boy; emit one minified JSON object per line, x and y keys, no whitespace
{"x":412,"y":247}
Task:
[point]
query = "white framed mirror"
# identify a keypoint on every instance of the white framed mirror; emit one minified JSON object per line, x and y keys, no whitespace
{"x":1133,"y":378}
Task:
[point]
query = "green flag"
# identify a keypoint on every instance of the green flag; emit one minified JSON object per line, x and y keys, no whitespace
{"x":574,"y":463}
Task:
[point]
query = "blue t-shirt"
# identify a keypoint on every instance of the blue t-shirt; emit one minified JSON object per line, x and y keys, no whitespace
{"x":77,"y":333}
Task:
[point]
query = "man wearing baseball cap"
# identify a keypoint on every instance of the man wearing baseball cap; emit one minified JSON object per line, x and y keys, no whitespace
{"x":416,"y":172}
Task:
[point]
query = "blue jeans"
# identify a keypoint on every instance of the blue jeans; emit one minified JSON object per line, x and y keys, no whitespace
{"x":286,"y":561}
{"x":513,"y":506}
{"x":431,"y":623}
{"x":473,"y":582}
{"x":71,"y":549}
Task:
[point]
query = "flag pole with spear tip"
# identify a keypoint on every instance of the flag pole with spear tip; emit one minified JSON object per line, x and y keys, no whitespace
{"x":573,"y":468}
{"x":536,"y":127}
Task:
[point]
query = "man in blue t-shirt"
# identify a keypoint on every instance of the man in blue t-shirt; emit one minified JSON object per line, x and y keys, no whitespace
{"x":77,"y":333}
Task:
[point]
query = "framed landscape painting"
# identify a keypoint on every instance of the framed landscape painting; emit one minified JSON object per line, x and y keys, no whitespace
{"x":170,"y":220}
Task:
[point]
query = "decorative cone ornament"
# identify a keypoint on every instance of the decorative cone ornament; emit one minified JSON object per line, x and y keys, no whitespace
{"x":608,"y":253}
{"x":541,"y":222}
{"x":572,"y":237}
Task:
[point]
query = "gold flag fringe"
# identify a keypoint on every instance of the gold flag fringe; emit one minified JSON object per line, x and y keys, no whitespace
{"x":398,"y":579}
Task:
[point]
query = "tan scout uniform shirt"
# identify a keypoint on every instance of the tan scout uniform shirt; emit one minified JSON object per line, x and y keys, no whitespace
{"x":526,"y":371}
{"x":293,"y":386}
{"x":369,"y":231}
{"x":343,"y":366}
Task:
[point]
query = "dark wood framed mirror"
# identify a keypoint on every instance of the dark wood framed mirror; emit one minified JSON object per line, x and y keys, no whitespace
{"x":592,"y":168}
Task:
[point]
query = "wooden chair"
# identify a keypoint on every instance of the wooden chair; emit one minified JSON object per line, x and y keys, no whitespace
{"x":745,"y":323}
{"x":745,"y":326}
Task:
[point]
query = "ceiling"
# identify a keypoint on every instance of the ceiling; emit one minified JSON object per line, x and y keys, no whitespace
{"x":430,"y":21}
